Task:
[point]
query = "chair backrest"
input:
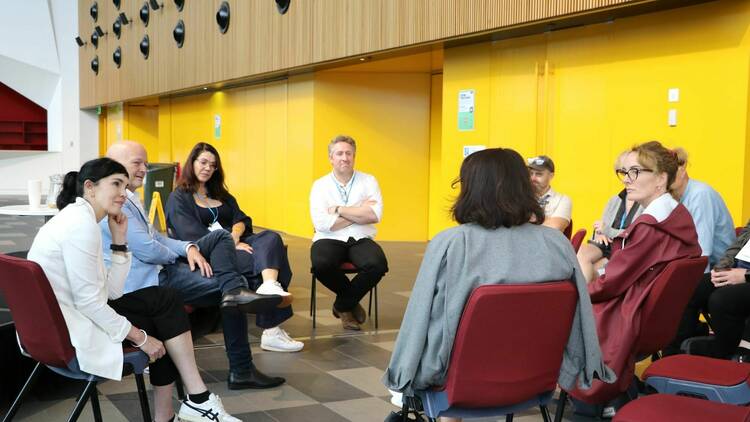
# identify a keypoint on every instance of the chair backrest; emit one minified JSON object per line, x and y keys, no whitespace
{"x":36,"y":313}
{"x":577,"y":239}
{"x":568,"y":230}
{"x":510,"y":342}
{"x":663,"y":308}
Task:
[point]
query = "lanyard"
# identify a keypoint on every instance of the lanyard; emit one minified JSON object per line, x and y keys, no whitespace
{"x":343,"y":191}
{"x":623,"y":218}
{"x":214,"y":213}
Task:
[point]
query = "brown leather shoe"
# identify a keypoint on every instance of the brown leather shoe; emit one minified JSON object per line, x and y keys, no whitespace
{"x":358,"y":312}
{"x":349,"y":322}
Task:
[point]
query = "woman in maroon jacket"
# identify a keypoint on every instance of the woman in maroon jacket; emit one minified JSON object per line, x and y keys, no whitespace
{"x":663,"y":233}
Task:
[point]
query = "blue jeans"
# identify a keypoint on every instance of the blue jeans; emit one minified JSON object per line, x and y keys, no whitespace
{"x":218,"y":248}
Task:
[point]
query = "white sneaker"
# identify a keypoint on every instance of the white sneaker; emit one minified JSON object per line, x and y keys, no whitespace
{"x":277,"y":340}
{"x":273,"y":287}
{"x":210,"y":410}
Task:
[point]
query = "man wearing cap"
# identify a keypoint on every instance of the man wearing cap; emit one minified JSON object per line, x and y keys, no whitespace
{"x":557,"y":207}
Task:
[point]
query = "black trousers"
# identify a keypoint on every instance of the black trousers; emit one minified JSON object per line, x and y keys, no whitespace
{"x":158,"y":311}
{"x":328,"y":254}
{"x":729,"y":308}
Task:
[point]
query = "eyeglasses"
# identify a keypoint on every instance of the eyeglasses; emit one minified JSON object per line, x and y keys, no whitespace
{"x":631,"y":174}
{"x":206,"y":163}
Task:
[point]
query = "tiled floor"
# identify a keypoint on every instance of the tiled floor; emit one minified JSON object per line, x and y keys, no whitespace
{"x":335,"y":378}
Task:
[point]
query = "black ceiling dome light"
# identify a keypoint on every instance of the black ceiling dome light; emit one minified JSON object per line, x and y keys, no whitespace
{"x":117,"y":27}
{"x":95,"y":39}
{"x":95,"y":65}
{"x":180,"y":4}
{"x":144,"y":13}
{"x":145,"y":46}
{"x":222,"y":17}
{"x":117,"y":57}
{"x":116,"y":3}
{"x":94,"y":11}
{"x":179,"y":33}
{"x":283,"y":5}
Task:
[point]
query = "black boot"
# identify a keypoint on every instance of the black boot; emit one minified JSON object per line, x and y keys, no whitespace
{"x":249,"y":302}
{"x":252,"y":379}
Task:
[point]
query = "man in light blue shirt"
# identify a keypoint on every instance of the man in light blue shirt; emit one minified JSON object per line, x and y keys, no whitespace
{"x":715,"y":234}
{"x":710,"y":214}
{"x":200,"y":281}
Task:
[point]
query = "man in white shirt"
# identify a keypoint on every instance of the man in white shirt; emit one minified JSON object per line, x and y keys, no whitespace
{"x":557,"y":207}
{"x":345,"y":205}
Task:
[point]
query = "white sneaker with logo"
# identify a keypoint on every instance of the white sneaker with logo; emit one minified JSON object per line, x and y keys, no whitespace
{"x":277,"y":340}
{"x":273,"y":287}
{"x":210,"y":410}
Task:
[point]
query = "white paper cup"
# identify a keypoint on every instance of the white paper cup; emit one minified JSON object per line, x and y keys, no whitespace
{"x":35,"y":194}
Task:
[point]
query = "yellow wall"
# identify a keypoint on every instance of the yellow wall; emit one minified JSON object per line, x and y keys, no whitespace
{"x":274,"y":138}
{"x":585,"y":94}
{"x":388,"y":114}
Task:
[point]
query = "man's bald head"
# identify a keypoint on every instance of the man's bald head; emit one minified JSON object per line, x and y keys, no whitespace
{"x":132,"y":155}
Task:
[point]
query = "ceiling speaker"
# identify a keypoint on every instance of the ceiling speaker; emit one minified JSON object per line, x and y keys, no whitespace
{"x":117,"y":57}
{"x":283,"y":5}
{"x":144,"y":13}
{"x":222,"y":17}
{"x":179,"y":33}
{"x":145,"y":46}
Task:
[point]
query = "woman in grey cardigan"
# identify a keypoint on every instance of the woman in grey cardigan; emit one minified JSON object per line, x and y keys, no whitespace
{"x":500,"y":239}
{"x":618,"y":214}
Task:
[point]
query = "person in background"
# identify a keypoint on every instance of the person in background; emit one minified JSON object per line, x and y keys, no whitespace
{"x":557,"y":207}
{"x":98,"y":315}
{"x":715,"y":233}
{"x":345,"y":205}
{"x":500,"y":229}
{"x":618,"y":214}
{"x":200,"y":205}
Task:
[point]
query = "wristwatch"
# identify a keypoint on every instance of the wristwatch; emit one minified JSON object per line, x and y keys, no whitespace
{"x":747,"y":276}
{"x":119,"y":248}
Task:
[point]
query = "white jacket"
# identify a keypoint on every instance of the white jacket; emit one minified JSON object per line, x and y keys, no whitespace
{"x":69,"y":250}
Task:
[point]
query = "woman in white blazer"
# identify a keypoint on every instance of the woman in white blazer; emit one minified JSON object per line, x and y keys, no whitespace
{"x":98,"y":316}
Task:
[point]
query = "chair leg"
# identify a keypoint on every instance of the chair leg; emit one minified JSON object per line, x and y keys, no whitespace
{"x":313,"y":300}
{"x":95,"y":408}
{"x":561,"y":405}
{"x":376,"y":307}
{"x":82,"y":399}
{"x":143,"y":398}
{"x":545,"y":412}
{"x":509,"y":417}
{"x":180,"y":390}
{"x":25,"y":389}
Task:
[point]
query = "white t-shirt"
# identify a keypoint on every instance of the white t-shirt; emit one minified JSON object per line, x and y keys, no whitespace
{"x":327,"y":192}
{"x":556,"y":205}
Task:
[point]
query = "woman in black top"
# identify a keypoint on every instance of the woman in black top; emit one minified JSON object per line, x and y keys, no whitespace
{"x":200,"y":204}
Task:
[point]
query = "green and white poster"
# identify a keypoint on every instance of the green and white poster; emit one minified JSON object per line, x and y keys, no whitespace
{"x":466,"y":109}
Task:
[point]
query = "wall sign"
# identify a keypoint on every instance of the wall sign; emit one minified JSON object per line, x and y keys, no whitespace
{"x":466,"y":109}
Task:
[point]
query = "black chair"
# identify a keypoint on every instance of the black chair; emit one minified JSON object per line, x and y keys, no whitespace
{"x":347,"y":268}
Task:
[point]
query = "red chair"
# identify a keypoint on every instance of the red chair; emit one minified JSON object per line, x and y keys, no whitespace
{"x":347,"y":268}
{"x":568,"y":230}
{"x":44,"y":337}
{"x":577,"y":239}
{"x":507,"y":352}
{"x":660,"y":315}
{"x":667,"y":407}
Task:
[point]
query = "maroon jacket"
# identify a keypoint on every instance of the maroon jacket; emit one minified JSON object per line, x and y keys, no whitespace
{"x":639,"y":254}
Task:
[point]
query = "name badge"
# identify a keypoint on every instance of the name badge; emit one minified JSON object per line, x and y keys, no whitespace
{"x":215,"y":226}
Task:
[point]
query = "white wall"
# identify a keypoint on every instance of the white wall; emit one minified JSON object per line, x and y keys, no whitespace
{"x":39,"y":59}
